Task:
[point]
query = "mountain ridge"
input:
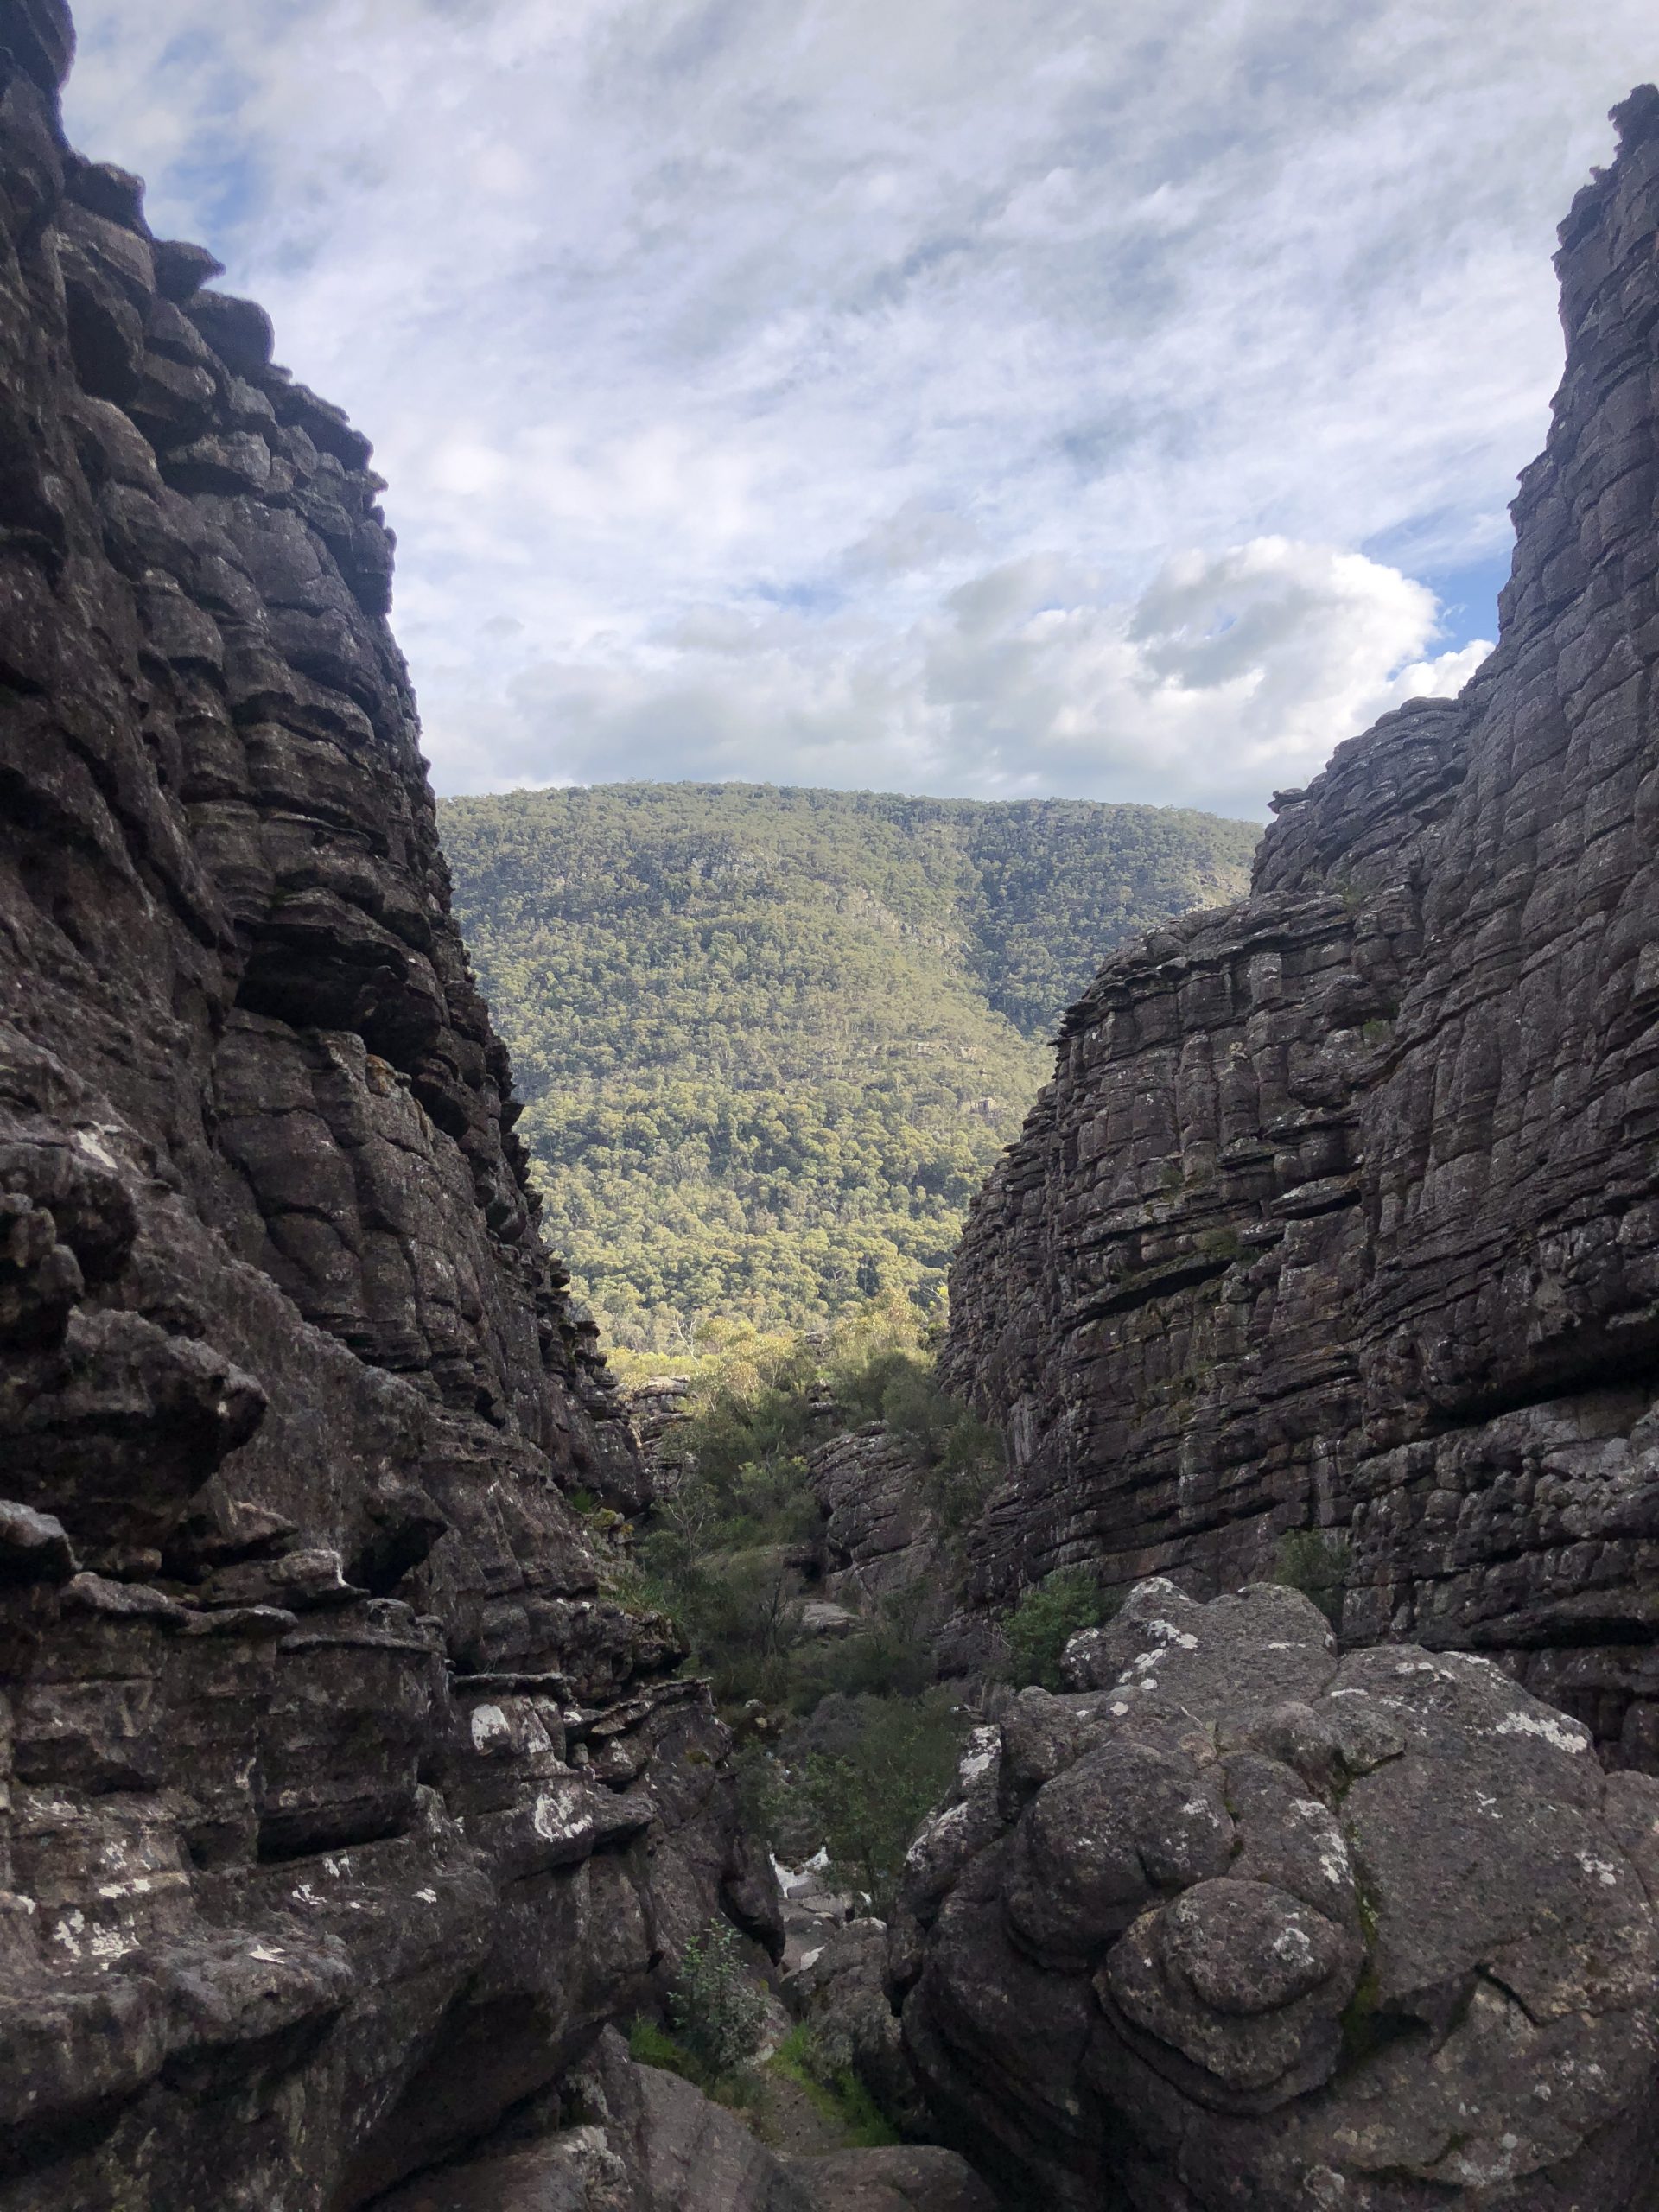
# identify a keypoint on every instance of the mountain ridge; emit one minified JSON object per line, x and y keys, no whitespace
{"x":771,"y":1038}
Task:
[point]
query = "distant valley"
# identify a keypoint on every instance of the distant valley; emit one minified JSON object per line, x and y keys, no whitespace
{"x":772,"y":1039}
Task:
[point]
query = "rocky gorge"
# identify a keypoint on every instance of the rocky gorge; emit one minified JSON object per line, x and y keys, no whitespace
{"x":1337,"y":1224}
{"x":349,"y":1798}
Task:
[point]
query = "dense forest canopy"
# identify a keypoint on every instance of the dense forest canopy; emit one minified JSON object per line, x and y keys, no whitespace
{"x":771,"y":1040}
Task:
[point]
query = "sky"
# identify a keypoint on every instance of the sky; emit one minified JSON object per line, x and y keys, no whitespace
{"x":994,"y":397}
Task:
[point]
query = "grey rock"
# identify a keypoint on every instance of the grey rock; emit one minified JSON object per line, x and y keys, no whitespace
{"x":42,"y":36}
{"x":342,"y":1807}
{"x":239,"y":331}
{"x":34,"y":1547}
{"x":1339,"y":1214}
{"x":659,"y":1411}
{"x":913,"y":2178}
{"x":1100,"y":1842}
{"x":881,"y":1541}
{"x":648,"y":2142}
{"x":1172,"y":1965}
{"x":821,"y":1619}
{"x":840,"y":1991}
{"x":183,"y":269}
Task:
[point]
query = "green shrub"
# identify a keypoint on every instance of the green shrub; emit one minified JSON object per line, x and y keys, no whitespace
{"x":868,"y":1798}
{"x":1220,"y":1244}
{"x":961,"y":1456}
{"x":886,"y":1658}
{"x":1317,"y":1564}
{"x":718,"y":2013}
{"x":1046,"y":1616}
{"x":836,"y":2091}
{"x":971,"y":1463}
{"x":725,"y":1558}
{"x":650,"y":2044}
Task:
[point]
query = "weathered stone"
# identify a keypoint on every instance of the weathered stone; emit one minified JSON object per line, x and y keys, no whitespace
{"x":237,"y":330}
{"x":1186,"y":1976}
{"x":40,"y":36}
{"x":34,"y":1547}
{"x":915,"y":2178}
{"x":881,"y":1541}
{"x":181,"y":269}
{"x":649,"y":2142}
{"x":840,"y":1991}
{"x":1340,"y":1214}
{"x":821,"y":1619}
{"x":293,"y":1902}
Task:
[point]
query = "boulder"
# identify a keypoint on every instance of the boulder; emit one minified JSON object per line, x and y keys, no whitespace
{"x":1241,"y":1921}
{"x":650,"y":2142}
{"x":839,"y":1990}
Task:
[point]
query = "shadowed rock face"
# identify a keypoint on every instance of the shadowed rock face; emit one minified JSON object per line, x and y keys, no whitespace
{"x":1241,"y":1924}
{"x":1342,"y":1207}
{"x":881,"y":1539}
{"x":341,"y":1805}
{"x":652,"y":2143}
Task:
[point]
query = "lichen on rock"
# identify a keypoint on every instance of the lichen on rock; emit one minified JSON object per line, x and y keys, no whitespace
{"x":1238,"y":1920}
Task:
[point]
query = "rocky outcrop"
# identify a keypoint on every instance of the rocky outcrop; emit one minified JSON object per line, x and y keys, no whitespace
{"x":342,"y":1806}
{"x":643,"y":2140}
{"x":1241,"y":1923}
{"x":839,"y":1989}
{"x":1342,"y":1210}
{"x":659,"y":1414}
{"x":881,"y":1541}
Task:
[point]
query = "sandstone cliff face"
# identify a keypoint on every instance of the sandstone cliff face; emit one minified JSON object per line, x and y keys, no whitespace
{"x":342,"y":1805}
{"x":881,"y":1540}
{"x":1342,"y":1207}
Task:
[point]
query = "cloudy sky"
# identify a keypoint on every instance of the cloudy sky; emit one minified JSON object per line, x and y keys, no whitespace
{"x":991,"y":397}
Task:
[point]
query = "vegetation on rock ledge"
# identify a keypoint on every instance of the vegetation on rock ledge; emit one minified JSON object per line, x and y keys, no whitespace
{"x":847,"y":1740}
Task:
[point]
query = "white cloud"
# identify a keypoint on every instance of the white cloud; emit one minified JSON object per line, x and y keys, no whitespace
{"x":1228,"y":676}
{"x":761,"y":364}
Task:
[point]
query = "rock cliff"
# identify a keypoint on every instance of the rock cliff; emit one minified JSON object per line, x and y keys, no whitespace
{"x":881,"y":1541}
{"x":342,"y":1805}
{"x":1342,"y":1208}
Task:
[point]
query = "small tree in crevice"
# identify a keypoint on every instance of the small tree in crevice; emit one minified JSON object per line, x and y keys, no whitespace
{"x":1047,"y":1616}
{"x":1316,"y":1563}
{"x":718,"y":2013}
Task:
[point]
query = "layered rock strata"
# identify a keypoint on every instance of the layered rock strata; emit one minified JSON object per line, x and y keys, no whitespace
{"x":660,"y":1415}
{"x":881,"y":1542}
{"x":1342,"y":1210}
{"x":1239,"y":1923}
{"x":341,"y":1805}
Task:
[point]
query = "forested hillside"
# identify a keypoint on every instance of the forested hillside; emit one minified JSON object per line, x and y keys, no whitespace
{"x":772,"y":1039}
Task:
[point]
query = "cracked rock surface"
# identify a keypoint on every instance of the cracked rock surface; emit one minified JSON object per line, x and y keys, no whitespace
{"x":1342,"y":1210}
{"x":339,"y":1804}
{"x":1238,"y":1923}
